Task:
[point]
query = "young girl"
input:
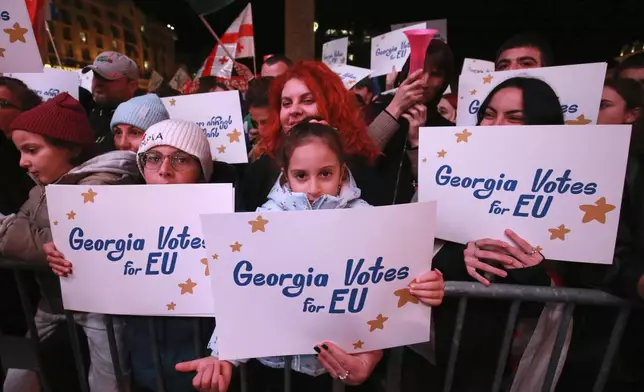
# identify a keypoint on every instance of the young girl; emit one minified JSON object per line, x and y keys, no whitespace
{"x":56,"y":146}
{"x":314,"y":177}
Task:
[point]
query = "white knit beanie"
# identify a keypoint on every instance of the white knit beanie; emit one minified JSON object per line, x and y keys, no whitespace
{"x":180,"y":134}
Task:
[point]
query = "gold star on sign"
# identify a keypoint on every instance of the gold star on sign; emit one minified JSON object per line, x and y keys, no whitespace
{"x":171,"y":306}
{"x":442,"y":153}
{"x":487,"y":79}
{"x":173,"y":102}
{"x":351,"y":82}
{"x":88,"y":197}
{"x":404,"y":297}
{"x":55,"y":223}
{"x":258,"y":224}
{"x":2,"y":50}
{"x":472,"y":92}
{"x":186,"y":288}
{"x":538,"y":249}
{"x":358,"y":345}
{"x":581,"y":120}
{"x":597,"y":211}
{"x":463,"y":136}
{"x":71,"y":215}
{"x":204,"y":261}
{"x":221,"y":149}
{"x":236,"y":247}
{"x":215,"y":256}
{"x":378,"y":323}
{"x":424,"y":160}
{"x":234,"y":136}
{"x":559,"y":232}
{"x":17,"y":33}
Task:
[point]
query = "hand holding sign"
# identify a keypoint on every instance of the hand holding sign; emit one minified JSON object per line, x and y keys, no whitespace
{"x":351,"y":369}
{"x":417,"y":117}
{"x":56,"y":260}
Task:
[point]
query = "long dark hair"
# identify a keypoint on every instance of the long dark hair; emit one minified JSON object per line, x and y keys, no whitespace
{"x":540,"y":102}
{"x":438,"y":56}
{"x":632,"y":93}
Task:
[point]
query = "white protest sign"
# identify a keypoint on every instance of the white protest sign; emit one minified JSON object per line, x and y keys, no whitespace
{"x":335,"y":53}
{"x":303,"y":277}
{"x":391,"y":49}
{"x":351,"y":75}
{"x":86,"y":79}
{"x":18,"y":47}
{"x":436,"y":24}
{"x":477,"y":66}
{"x":559,"y":187}
{"x":219,"y":115}
{"x":51,"y":82}
{"x":136,"y":258}
{"x":579,"y":88}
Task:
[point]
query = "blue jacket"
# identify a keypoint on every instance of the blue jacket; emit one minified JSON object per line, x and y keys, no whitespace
{"x":281,"y":198}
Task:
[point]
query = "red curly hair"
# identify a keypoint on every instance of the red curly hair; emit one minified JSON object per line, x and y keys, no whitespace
{"x":338,"y":106}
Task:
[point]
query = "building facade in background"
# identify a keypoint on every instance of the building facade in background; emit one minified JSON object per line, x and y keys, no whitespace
{"x":81,"y":29}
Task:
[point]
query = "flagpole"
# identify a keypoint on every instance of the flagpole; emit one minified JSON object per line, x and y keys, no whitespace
{"x":205,"y":22}
{"x":51,"y":38}
{"x":254,"y":62}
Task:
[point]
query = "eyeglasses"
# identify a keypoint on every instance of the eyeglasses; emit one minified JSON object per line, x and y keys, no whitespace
{"x":179,"y":162}
{"x":4,"y":104}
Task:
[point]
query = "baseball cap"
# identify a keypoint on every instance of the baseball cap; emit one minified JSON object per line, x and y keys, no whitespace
{"x":113,"y":66}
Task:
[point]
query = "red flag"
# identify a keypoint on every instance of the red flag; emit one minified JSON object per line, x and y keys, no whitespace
{"x":37,"y":15}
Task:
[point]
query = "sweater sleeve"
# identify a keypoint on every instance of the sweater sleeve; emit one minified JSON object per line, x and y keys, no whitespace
{"x":382,"y":128}
{"x":24,"y":239}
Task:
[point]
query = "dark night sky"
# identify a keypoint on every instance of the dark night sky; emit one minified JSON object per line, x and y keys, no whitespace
{"x":579,"y":31}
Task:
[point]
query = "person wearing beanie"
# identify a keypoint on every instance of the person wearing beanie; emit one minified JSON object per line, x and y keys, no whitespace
{"x":172,"y":152}
{"x":56,"y":146}
{"x":132,"y":118}
{"x":175,"y":152}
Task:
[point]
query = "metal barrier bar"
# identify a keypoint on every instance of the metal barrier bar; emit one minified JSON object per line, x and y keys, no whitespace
{"x":613,"y":346}
{"x":464,"y":290}
{"x":287,"y":374}
{"x":78,"y":357}
{"x":532,"y":293}
{"x":114,"y":353}
{"x":156,"y":356}
{"x":556,"y":350}
{"x":505,"y":346}
{"x":456,"y":343}
{"x":31,"y":325}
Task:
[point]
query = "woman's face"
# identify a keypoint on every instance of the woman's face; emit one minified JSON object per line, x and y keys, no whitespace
{"x":297,"y":103}
{"x":314,"y":169}
{"x":613,"y":110}
{"x":505,"y":108}
{"x":169,"y":165}
{"x":446,"y":110}
{"x":434,"y":81}
{"x":127,"y":137}
{"x":45,"y":162}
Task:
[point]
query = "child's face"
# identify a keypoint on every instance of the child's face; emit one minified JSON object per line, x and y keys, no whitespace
{"x":44,"y":161}
{"x":314,"y":169}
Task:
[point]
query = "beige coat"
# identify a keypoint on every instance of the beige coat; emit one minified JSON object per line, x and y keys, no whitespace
{"x":29,"y":229}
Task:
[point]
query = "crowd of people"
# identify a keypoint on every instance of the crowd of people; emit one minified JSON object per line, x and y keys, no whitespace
{"x":313,"y":145}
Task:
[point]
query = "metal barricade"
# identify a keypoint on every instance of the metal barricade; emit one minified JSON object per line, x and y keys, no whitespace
{"x":515,"y":294}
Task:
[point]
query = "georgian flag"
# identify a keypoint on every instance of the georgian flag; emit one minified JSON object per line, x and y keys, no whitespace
{"x":239,"y":42}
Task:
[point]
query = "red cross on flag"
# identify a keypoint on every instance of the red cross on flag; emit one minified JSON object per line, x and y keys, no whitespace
{"x":238,"y":41}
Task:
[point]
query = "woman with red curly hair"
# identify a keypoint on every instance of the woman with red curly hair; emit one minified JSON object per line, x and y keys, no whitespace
{"x":310,"y":89}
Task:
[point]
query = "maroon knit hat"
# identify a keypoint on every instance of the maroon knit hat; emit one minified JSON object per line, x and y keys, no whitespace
{"x":62,"y":118}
